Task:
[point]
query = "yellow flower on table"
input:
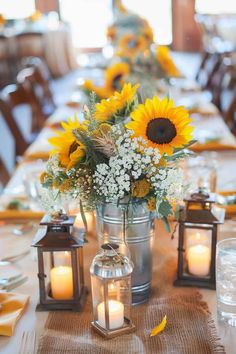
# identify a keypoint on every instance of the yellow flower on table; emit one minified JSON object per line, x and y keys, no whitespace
{"x":131,"y":44}
{"x":2,"y":20}
{"x":114,"y":76}
{"x":126,"y":96}
{"x":161,"y":125}
{"x":141,"y":188}
{"x":36,"y":15}
{"x":111,"y":32}
{"x":100,"y":91}
{"x":106,"y":109}
{"x":69,"y":149}
{"x":166,"y":62}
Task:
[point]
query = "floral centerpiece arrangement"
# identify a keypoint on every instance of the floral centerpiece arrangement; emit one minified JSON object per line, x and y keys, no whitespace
{"x":135,"y":58}
{"x":122,"y":149}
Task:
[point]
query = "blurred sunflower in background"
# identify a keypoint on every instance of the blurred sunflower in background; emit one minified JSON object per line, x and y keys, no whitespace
{"x":161,"y":125}
{"x":114,"y":76}
{"x":167,"y":64}
{"x":148,"y":34}
{"x":130,"y":44}
{"x":68,"y":148}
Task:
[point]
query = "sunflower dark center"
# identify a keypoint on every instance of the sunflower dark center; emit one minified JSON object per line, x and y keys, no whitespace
{"x":132,"y":43}
{"x":73,"y":147}
{"x":116,"y":80}
{"x":161,"y":131}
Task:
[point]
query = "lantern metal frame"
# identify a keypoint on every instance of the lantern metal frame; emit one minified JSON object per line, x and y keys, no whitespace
{"x":197,"y":214}
{"x":56,"y":235}
{"x":128,"y":326}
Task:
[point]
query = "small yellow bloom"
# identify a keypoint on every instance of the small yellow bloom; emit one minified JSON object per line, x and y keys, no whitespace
{"x":141,"y":188}
{"x":43,"y":177}
{"x":159,"y":328}
{"x":65,"y":186}
{"x":166,"y":62}
{"x":151,"y":204}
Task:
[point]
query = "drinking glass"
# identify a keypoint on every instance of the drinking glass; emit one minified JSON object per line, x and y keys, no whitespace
{"x":226,"y":280}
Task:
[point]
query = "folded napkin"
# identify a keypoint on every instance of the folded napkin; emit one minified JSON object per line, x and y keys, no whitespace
{"x":20,"y":214}
{"x":212,"y":146}
{"x":12,"y":307}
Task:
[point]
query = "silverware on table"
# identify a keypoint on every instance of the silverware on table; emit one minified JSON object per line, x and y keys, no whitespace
{"x":14,"y":258}
{"x":23,"y":229}
{"x":12,"y":284}
{"x":28,"y":343}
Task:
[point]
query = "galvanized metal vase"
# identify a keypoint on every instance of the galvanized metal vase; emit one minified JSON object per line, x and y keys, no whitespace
{"x":131,"y":225}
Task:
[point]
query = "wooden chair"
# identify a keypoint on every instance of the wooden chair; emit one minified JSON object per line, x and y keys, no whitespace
{"x":230,"y":115}
{"x":4,"y":174}
{"x":5,"y":62}
{"x":29,"y":44}
{"x":36,"y":78}
{"x":209,"y":66}
{"x":11,"y":97}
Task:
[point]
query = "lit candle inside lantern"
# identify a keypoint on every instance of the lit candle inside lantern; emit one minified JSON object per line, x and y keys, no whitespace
{"x":116,"y":314}
{"x":61,"y":283}
{"x":199,"y":258}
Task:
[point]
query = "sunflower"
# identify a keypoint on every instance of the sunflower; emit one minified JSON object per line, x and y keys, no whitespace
{"x":106,"y":109}
{"x":120,"y":7}
{"x":111,"y":32}
{"x":148,"y":34}
{"x":114,"y":76}
{"x":100,"y":91}
{"x":126,"y":96}
{"x":69,"y":149}
{"x":166,"y":62}
{"x":161,"y":125}
{"x":130,"y":44}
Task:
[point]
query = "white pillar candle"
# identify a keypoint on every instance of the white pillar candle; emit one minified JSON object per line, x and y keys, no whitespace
{"x":116,"y":314}
{"x":199,"y":258}
{"x":61,"y":283}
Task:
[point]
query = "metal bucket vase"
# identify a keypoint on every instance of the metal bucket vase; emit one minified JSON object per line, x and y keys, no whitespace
{"x":130,"y":225}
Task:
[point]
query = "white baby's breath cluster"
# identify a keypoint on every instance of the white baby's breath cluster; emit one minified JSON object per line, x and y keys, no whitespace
{"x":133,"y":160}
{"x":168,"y":182}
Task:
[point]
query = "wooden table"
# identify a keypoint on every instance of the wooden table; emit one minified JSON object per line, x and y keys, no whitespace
{"x":9,"y":244}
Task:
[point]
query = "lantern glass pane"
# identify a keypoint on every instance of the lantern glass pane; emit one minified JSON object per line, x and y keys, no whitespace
{"x":59,"y":275}
{"x":116,"y":293}
{"x":197,"y":251}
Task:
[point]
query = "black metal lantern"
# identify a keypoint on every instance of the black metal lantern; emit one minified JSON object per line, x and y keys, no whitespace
{"x":60,"y":265}
{"x":197,"y":242}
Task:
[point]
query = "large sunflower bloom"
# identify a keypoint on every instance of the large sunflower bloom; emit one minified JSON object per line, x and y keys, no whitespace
{"x":114,"y":76}
{"x":161,"y":125}
{"x":69,"y":149}
{"x":166,"y":62}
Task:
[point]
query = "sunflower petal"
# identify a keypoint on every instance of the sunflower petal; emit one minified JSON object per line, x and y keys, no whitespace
{"x":159,"y":328}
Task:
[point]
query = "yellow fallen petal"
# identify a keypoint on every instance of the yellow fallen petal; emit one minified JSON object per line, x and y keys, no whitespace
{"x":159,"y":328}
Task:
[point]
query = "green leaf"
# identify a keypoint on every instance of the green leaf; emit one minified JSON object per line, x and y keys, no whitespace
{"x":83,"y":216}
{"x":165,"y":208}
{"x":177,"y":211}
{"x":166,"y":223}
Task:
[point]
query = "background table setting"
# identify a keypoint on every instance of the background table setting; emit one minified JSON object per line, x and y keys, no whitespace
{"x":143,"y":262}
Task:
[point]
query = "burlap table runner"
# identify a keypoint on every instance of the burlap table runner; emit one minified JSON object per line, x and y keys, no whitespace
{"x":190,"y":328}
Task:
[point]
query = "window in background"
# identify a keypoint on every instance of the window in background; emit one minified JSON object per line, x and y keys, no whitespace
{"x":159,"y":15}
{"x":88,"y":20}
{"x":16,"y":9}
{"x":215,"y":7}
